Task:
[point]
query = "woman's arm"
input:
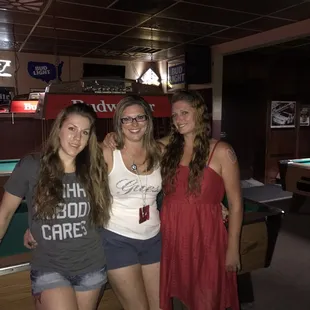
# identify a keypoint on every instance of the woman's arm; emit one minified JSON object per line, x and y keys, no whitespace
{"x":16,"y":188}
{"x":231,"y":177}
{"x":8,"y":206}
{"x":108,"y":156}
{"x":164,"y":141}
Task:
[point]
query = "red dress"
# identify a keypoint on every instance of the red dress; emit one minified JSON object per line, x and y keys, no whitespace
{"x":194,"y":243}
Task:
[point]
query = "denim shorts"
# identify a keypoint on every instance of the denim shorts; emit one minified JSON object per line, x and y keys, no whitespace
{"x":122,"y":251}
{"x":43,"y":280}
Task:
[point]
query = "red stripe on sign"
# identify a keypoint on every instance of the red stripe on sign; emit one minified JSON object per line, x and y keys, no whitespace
{"x":22,"y":106}
{"x":104,"y":105}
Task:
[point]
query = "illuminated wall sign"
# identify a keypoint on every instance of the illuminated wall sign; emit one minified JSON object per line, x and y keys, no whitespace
{"x":45,"y":71}
{"x":150,"y":78}
{"x":176,"y":74}
{"x":4,"y":64}
{"x":22,"y":106}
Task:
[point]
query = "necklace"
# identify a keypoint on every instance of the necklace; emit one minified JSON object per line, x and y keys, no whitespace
{"x":134,"y":166}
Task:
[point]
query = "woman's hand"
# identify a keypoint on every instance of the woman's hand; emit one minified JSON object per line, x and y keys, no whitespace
{"x":29,"y":241}
{"x":232,"y":263}
{"x":109,"y":141}
{"x":225,"y":213}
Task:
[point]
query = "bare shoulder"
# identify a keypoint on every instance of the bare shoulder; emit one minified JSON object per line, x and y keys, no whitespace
{"x":107,"y":153}
{"x":223,"y":151}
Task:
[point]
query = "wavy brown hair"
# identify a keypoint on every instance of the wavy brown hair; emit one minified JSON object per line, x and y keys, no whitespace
{"x":152,"y":149}
{"x":175,"y":149}
{"x":90,"y":169}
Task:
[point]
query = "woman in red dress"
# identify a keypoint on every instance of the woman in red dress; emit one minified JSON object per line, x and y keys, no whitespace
{"x":200,"y":256}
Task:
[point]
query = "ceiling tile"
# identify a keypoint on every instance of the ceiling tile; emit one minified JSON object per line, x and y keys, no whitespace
{"x":78,"y":12}
{"x":150,"y":7}
{"x":20,"y":37}
{"x":99,"y":3}
{"x":123,"y":41}
{"x":18,"y":18}
{"x":299,"y":12}
{"x":148,"y":34}
{"x":168,"y":54}
{"x":206,"y":14}
{"x":71,"y":35}
{"x":23,"y":6}
{"x":60,"y":42}
{"x":236,"y":33}
{"x":265,"y":23}
{"x":178,"y":26}
{"x":262,"y":7}
{"x":84,"y":26}
{"x":17,"y":29}
{"x":62,"y":50}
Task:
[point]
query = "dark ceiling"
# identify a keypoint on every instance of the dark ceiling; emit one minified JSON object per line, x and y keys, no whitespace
{"x":133,"y":29}
{"x":295,"y":48}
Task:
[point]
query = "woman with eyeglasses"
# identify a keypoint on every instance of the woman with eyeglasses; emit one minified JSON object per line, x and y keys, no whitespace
{"x":131,"y":239}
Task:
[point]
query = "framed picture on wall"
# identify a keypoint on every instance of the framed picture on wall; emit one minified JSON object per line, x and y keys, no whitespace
{"x":283,"y":114}
{"x":304,"y":116}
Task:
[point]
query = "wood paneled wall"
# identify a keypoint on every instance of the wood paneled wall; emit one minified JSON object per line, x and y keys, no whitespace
{"x":251,"y":82}
{"x":23,"y":135}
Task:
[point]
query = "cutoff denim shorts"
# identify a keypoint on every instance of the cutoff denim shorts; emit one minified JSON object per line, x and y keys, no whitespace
{"x":42,"y":280}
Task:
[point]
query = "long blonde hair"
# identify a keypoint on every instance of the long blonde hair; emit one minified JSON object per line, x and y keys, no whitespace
{"x":91,"y":172}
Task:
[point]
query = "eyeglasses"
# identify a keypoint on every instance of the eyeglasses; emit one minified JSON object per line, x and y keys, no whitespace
{"x":138,"y":118}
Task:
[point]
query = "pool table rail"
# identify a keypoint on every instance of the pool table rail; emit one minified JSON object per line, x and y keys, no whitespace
{"x":15,"y":263}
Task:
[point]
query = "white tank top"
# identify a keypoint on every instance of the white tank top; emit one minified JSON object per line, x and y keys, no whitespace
{"x":130,"y":191}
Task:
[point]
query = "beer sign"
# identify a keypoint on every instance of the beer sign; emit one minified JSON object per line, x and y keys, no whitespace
{"x":176,"y":75}
{"x":23,"y":106}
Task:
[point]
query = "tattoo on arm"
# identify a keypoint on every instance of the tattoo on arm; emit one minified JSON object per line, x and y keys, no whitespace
{"x":231,"y":155}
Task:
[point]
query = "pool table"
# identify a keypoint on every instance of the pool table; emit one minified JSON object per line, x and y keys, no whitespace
{"x":13,"y":255}
{"x":6,"y":168}
{"x":295,"y":178}
{"x":260,"y":228}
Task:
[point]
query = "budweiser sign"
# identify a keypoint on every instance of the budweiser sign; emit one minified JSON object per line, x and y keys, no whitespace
{"x":103,"y":105}
{"x":22,"y":106}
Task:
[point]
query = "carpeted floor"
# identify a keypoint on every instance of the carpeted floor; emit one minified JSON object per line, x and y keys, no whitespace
{"x":285,"y":285}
